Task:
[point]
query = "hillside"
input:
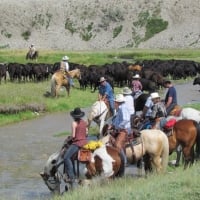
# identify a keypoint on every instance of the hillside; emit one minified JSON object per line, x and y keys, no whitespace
{"x":99,"y":24}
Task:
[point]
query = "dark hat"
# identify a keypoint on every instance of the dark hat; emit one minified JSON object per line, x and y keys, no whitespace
{"x":77,"y":113}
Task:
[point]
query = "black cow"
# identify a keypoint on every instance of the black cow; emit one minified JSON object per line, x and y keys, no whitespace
{"x":3,"y":69}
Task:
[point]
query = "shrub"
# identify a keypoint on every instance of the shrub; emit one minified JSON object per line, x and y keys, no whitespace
{"x":117,"y":31}
{"x":26,"y":35}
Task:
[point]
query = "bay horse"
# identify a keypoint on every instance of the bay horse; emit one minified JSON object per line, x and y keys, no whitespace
{"x":99,"y":113}
{"x":185,"y":132}
{"x":153,"y":144}
{"x":58,"y":80}
{"x":105,"y":163}
{"x":32,"y":57}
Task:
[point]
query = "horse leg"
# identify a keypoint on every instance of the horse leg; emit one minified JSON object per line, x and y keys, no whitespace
{"x":156,"y":160}
{"x":187,"y":152}
{"x":178,"y":155}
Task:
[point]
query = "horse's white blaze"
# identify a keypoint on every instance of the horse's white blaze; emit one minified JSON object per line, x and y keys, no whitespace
{"x":107,"y":160}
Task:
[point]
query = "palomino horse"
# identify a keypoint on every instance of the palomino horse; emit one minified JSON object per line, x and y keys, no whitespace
{"x":32,"y":57}
{"x":98,"y":113}
{"x":186,"y":133}
{"x":105,"y":163}
{"x":153,"y":143}
{"x":58,"y":80}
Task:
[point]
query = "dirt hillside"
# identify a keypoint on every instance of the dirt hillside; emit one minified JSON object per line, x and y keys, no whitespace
{"x":99,"y":24}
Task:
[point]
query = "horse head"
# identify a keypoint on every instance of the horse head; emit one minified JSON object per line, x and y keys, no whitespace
{"x":49,"y":174}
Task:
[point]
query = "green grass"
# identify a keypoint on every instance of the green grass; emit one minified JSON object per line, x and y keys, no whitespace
{"x":176,"y":184}
{"x":18,"y":94}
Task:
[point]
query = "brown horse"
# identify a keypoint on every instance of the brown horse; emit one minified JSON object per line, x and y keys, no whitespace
{"x":59,"y":79}
{"x":186,"y":133}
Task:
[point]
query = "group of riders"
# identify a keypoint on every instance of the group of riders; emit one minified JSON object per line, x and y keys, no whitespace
{"x":122,"y":111}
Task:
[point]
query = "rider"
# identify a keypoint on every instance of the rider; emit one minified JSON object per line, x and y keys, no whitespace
{"x":32,"y":50}
{"x":121,"y":125}
{"x":106,"y":93}
{"x":136,"y":86}
{"x":64,"y":67}
{"x":158,"y":114}
{"x":171,"y":96}
{"x":79,"y":139}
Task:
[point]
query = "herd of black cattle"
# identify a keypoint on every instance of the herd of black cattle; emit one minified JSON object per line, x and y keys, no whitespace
{"x":153,"y":72}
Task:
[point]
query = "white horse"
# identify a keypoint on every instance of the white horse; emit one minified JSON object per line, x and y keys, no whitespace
{"x":99,"y":113}
{"x":187,"y":113}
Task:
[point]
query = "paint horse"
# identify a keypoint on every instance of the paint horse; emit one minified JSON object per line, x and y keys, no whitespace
{"x":105,"y":163}
{"x":58,"y":80}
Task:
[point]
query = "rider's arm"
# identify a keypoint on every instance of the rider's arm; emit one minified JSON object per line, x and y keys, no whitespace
{"x":169,"y":101}
{"x":74,"y":125}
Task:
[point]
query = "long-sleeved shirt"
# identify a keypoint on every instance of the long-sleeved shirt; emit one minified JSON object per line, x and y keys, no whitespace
{"x":122,"y":118}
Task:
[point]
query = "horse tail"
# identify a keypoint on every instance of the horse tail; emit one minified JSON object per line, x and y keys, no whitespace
{"x":53,"y":87}
{"x":165,"y":153}
{"x":197,"y":150}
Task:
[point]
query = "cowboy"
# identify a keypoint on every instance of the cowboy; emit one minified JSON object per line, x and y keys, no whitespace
{"x":32,"y":50}
{"x":106,"y":93}
{"x":64,"y":67}
{"x":121,"y":125}
{"x":171,"y":96}
{"x":159,"y":113}
{"x":79,"y":139}
{"x":136,"y":86}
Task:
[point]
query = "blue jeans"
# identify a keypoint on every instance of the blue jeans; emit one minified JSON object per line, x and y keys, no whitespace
{"x":67,"y":160}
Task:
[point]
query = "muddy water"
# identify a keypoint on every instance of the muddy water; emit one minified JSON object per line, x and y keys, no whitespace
{"x":26,"y":146}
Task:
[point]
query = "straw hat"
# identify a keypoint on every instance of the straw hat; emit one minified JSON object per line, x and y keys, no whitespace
{"x":155,"y":95}
{"x":119,"y":98}
{"x":126,"y":90}
{"x":65,"y":58}
{"x":102,"y":79}
{"x":136,"y":76}
{"x":77,"y":113}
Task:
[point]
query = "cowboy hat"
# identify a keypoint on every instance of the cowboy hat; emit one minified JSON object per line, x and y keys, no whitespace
{"x":77,"y":113}
{"x":136,"y":76}
{"x":155,"y":95}
{"x":119,"y":98}
{"x":102,"y":79}
{"x":65,"y":58}
{"x":126,"y":90}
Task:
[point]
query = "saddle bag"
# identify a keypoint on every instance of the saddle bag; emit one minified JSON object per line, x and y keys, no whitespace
{"x":84,"y":155}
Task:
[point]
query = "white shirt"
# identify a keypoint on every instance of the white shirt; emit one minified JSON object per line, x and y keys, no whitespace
{"x":129,"y":101}
{"x":149,"y":104}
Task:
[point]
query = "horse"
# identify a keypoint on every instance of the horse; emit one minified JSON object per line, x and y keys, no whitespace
{"x":32,"y":57}
{"x":99,"y":114}
{"x":105,"y":163}
{"x":185,"y":132}
{"x":153,"y":144}
{"x":58,"y":80}
{"x":185,"y":113}
{"x":140,"y":101}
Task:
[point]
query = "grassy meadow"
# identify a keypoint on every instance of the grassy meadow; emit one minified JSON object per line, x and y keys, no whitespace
{"x":13,"y":94}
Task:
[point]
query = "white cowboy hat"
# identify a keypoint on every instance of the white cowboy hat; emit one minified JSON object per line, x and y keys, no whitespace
{"x":65,"y":58}
{"x":155,"y":95}
{"x":102,"y":79}
{"x":136,"y":76}
{"x":126,"y":90}
{"x":119,"y":98}
{"x":77,"y":113}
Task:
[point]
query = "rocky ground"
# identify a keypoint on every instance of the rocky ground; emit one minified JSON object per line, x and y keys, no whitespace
{"x":97,"y":24}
